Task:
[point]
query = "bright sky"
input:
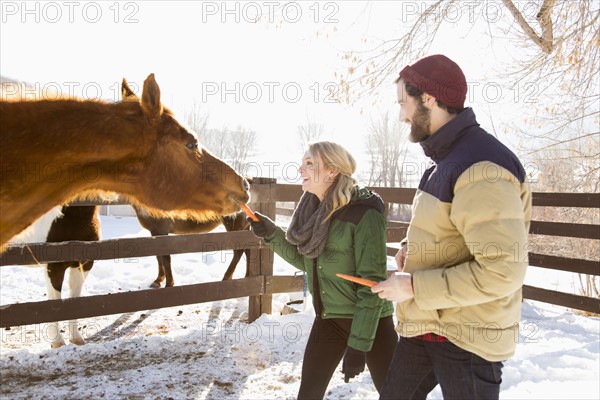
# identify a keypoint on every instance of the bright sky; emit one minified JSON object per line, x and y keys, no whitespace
{"x":270,"y":76}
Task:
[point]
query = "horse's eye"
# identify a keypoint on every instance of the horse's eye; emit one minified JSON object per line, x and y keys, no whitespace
{"x":192,"y":145}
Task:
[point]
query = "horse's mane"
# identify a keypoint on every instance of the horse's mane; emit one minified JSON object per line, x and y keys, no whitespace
{"x":32,"y":95}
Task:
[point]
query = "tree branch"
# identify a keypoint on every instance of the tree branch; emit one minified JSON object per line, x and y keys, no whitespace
{"x":544,"y":42}
{"x":544,"y":18}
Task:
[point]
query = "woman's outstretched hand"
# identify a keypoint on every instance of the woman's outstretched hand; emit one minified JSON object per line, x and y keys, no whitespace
{"x":263,"y":227}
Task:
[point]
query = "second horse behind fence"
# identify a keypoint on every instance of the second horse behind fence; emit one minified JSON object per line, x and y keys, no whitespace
{"x":164,"y":226}
{"x":62,"y":224}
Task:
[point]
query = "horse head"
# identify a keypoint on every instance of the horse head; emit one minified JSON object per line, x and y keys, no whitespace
{"x":178,"y":175}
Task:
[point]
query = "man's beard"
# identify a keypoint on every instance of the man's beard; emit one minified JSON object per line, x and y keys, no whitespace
{"x":420,"y":128}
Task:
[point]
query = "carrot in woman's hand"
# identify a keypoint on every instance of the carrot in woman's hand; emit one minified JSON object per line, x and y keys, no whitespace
{"x":249,"y":212}
{"x":356,"y":279}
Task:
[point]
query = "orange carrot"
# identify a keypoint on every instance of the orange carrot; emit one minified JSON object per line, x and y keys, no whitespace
{"x":356,"y":279}
{"x":249,"y":212}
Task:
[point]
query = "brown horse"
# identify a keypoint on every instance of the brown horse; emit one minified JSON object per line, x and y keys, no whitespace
{"x":53,"y":150}
{"x":164,"y":226}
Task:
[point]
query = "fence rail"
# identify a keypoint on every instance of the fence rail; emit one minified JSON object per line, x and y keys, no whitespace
{"x":261,"y":284}
{"x":572,"y":230}
{"x":127,"y":248}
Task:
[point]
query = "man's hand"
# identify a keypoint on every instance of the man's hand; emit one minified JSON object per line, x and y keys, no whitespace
{"x":401,"y":257}
{"x":397,"y":287}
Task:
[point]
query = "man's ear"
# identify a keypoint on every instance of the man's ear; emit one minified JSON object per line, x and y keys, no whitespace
{"x":428,"y":100}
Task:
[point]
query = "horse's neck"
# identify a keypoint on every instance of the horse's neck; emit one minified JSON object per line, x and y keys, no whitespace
{"x":86,"y":127}
{"x":74,"y":141}
{"x":51,"y":151}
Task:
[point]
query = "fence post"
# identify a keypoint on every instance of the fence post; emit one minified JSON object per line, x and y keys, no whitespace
{"x":261,"y":260}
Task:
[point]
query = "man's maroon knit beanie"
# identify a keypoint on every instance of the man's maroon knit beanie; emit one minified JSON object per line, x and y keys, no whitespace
{"x":440,"y":77}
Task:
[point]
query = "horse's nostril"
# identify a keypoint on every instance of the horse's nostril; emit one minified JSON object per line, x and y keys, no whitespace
{"x":240,"y":199}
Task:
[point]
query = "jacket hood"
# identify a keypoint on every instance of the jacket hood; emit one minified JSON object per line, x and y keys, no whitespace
{"x":367,"y":198}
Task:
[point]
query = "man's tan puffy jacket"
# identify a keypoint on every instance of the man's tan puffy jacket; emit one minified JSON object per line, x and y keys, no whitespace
{"x":467,"y":242}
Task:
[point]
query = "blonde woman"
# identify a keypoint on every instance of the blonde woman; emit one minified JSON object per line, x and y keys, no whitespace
{"x":338,"y":227}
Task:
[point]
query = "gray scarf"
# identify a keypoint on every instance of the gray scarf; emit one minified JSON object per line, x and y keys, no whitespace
{"x":308,"y":229}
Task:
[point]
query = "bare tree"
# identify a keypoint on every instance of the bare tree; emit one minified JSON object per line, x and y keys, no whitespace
{"x":240,"y":146}
{"x":386,"y":146}
{"x":196,"y":119}
{"x":567,"y":45}
{"x":559,"y":58}
{"x":235,"y":146}
{"x":308,"y":133}
{"x":387,"y":150}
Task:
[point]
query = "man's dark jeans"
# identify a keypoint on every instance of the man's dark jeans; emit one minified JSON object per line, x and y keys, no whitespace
{"x":419,"y":365}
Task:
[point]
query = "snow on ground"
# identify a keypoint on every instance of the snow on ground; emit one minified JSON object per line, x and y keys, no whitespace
{"x":210,"y":351}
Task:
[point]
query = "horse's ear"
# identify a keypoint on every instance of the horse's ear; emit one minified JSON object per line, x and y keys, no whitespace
{"x":151,"y":98}
{"x":126,"y":91}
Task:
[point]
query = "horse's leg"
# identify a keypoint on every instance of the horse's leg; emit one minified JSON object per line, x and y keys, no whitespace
{"x":161,"y":274}
{"x":170,"y":282}
{"x":77,"y":276}
{"x":237,"y":254}
{"x":55,"y":273}
{"x":247,"y":251}
{"x":235,"y":223}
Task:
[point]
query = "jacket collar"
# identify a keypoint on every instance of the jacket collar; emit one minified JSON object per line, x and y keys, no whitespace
{"x":439,"y":144}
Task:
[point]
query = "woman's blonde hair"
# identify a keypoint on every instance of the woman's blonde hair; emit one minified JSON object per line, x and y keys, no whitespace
{"x":337,"y":158}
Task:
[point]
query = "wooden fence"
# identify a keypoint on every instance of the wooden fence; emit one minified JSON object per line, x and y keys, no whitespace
{"x":261,"y":284}
{"x":397,"y":231}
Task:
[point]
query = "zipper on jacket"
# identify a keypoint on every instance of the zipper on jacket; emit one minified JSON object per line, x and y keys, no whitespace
{"x":317,"y":304}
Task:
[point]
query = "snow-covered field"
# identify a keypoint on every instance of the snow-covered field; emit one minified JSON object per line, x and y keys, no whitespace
{"x":210,"y":351}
